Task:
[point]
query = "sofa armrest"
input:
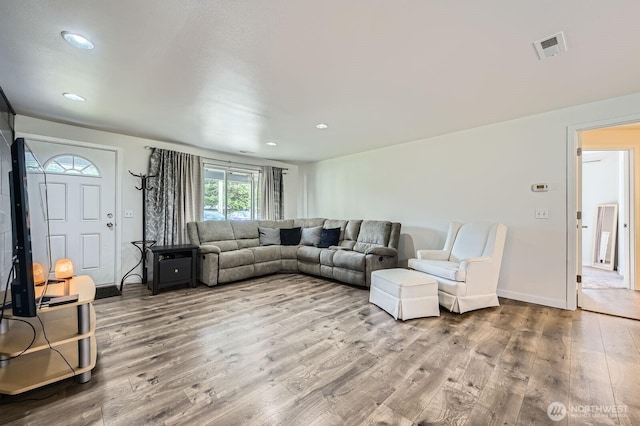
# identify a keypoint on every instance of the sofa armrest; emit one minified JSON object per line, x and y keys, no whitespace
{"x":382,"y":251}
{"x":481,"y":275}
{"x":433,"y":254}
{"x":209,"y":249}
{"x":466,"y":263}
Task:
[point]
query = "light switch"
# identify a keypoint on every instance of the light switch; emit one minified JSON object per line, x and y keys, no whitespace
{"x":542,"y":213}
{"x":128,"y":213}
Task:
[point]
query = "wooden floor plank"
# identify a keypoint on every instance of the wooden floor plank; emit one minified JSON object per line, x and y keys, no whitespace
{"x":383,"y":415}
{"x":618,"y":302}
{"x":545,"y":387}
{"x":289,"y":349}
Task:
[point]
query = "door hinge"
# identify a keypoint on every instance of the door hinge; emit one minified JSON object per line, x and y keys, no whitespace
{"x":579,"y":152}
{"x":579,"y":215}
{"x":578,"y":278}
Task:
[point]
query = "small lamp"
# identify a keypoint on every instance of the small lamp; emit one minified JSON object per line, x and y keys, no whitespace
{"x":38,"y":274}
{"x":64,"y":269}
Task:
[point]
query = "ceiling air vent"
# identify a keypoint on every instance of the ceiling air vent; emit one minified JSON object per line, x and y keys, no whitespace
{"x":551,"y":46}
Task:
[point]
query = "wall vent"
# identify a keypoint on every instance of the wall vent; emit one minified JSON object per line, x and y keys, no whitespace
{"x":551,"y":46}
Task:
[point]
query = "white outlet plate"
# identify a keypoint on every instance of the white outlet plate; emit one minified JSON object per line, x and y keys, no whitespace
{"x":542,"y":213}
{"x":128,"y":213}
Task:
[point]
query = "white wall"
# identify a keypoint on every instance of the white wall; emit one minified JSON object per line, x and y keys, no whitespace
{"x":482,"y":174}
{"x":136,"y":158}
{"x":600,"y":185}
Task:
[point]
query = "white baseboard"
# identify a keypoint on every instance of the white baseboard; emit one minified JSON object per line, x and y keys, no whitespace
{"x":523,"y":297}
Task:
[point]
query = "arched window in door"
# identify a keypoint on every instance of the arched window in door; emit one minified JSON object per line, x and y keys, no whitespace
{"x":69,"y":164}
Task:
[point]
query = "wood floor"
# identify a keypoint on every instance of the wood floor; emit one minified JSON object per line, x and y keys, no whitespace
{"x":297,"y":350}
{"x":612,"y":301}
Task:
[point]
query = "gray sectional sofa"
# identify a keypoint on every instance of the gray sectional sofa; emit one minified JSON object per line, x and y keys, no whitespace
{"x":231,"y":250}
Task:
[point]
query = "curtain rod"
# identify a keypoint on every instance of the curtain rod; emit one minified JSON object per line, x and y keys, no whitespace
{"x":228,"y":161}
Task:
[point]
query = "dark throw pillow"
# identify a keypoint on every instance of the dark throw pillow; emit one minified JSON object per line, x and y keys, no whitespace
{"x":290,"y":237}
{"x":329,"y":237}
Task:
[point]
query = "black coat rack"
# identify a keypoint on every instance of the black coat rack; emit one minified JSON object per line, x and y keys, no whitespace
{"x":143,"y":244}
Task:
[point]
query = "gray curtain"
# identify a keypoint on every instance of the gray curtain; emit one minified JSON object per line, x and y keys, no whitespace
{"x":175,"y":197}
{"x":271,"y":193}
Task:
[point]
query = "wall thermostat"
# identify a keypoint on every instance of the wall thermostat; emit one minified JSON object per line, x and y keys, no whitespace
{"x":540,"y":187}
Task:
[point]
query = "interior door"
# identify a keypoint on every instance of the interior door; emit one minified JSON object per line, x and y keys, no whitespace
{"x":80,"y":194}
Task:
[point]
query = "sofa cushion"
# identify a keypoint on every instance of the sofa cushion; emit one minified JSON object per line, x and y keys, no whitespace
{"x":309,"y":254}
{"x":326,"y":257}
{"x":352,"y":229}
{"x":228,"y":245}
{"x":308,"y":223}
{"x":289,"y":252}
{"x":439,"y":268}
{"x":311,"y":236}
{"x":248,"y":242}
{"x":286,"y":223}
{"x":244,"y":229}
{"x":373,"y":233}
{"x":329,"y":237}
{"x":266,"y":253}
{"x":269,"y":236}
{"x":335,"y":223}
{"x":347,"y":259}
{"x":215,"y":230}
{"x":332,"y":223}
{"x":232,"y":259}
{"x":290,"y":236}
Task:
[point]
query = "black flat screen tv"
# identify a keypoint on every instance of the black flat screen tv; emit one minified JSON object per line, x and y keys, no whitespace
{"x":23,"y":297}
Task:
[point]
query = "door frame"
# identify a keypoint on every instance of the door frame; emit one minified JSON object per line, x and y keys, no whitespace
{"x":574,"y":191}
{"x":117,"y":264}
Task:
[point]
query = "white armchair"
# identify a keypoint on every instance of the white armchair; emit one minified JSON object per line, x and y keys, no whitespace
{"x":468,"y":267}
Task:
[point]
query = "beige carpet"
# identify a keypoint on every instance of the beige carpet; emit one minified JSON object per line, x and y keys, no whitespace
{"x":594,"y":278}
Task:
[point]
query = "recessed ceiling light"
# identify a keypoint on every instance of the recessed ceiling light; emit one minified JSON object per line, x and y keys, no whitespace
{"x":74,"y":97}
{"x":322,"y":126}
{"x":77,"y":40}
{"x":272,"y":143}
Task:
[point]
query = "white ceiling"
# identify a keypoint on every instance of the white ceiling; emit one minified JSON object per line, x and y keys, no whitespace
{"x":231,"y":75}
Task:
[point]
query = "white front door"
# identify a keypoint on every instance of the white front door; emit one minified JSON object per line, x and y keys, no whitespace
{"x":81,"y":208}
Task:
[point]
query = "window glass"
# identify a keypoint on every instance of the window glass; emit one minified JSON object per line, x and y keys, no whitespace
{"x":32,"y":164}
{"x":71,"y":164}
{"x":229,"y":194}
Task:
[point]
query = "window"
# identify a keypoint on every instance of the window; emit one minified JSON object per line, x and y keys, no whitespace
{"x":71,"y":165}
{"x":33,"y":166}
{"x":230,"y":194}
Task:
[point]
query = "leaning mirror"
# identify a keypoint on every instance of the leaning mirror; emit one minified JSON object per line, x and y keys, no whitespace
{"x":604,"y":236}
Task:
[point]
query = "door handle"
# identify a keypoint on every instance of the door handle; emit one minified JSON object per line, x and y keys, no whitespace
{"x":110,"y":225}
{"x":584,"y":226}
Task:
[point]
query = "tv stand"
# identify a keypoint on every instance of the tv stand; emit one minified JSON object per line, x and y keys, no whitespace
{"x":69,"y":327}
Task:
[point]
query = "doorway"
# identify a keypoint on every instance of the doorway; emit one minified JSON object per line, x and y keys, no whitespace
{"x":607,"y":178}
{"x":605,"y":219}
{"x":81,"y":207}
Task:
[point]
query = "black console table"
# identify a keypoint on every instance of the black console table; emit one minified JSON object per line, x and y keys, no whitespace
{"x":172,"y":265}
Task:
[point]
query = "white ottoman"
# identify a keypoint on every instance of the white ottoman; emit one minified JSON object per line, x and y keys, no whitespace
{"x":404,"y":293}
